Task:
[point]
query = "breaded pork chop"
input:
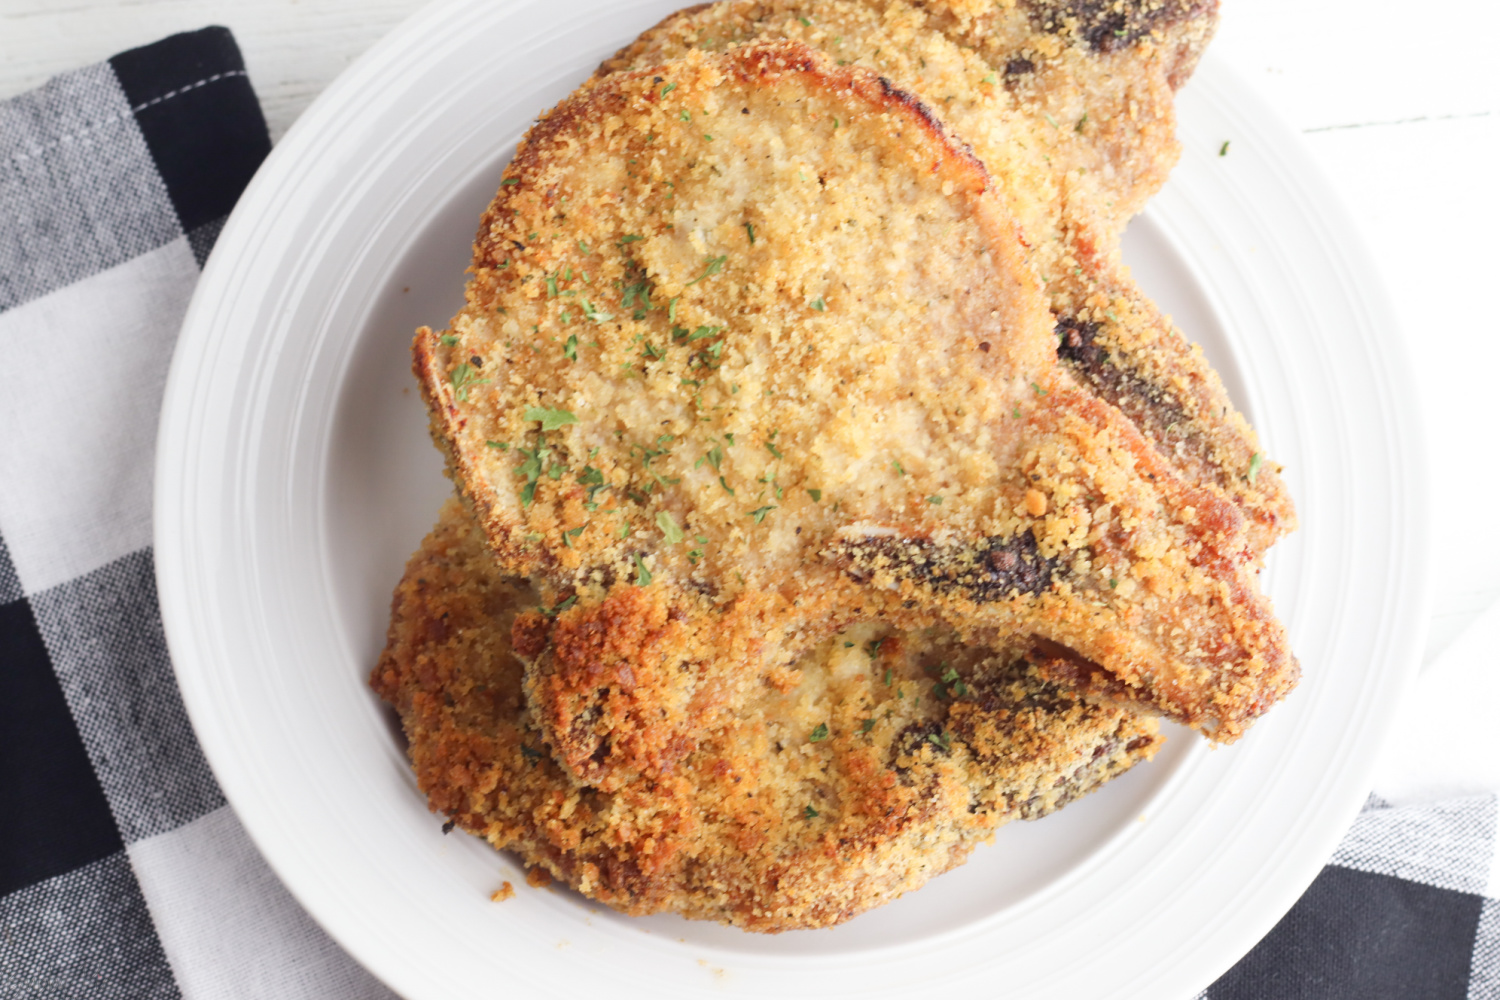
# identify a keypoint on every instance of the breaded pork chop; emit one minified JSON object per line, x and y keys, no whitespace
{"x":751,"y":354}
{"x":1070,"y":107}
{"x":878,"y":760}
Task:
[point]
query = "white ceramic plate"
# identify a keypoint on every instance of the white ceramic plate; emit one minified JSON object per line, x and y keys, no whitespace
{"x":295,"y":476}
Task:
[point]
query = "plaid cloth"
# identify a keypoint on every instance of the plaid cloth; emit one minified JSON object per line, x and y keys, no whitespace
{"x":123,"y":873}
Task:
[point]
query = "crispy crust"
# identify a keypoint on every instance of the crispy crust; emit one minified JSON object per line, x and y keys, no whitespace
{"x":907,"y":328}
{"x":1006,"y":77}
{"x":769,"y":824}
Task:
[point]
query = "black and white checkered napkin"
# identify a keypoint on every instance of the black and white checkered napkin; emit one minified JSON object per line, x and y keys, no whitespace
{"x":123,"y":873}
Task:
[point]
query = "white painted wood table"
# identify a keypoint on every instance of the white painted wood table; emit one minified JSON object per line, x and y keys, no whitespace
{"x":1400,"y":108}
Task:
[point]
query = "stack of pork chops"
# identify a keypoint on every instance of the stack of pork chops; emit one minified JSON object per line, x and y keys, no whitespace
{"x":828,"y":494}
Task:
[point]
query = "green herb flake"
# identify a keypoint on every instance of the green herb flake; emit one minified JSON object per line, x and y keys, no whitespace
{"x":1255,"y":463}
{"x":992,"y":78}
{"x":502,"y":445}
{"x":708,"y":137}
{"x":570,"y":349}
{"x":810,"y":813}
{"x":448,"y":340}
{"x":711,"y":267}
{"x":1038,"y":389}
{"x":1224,"y":149}
{"x":667,"y":89}
{"x":684,"y":115}
{"x":866,"y":725}
{"x":1113,"y":583}
{"x":1081,"y":122}
{"x":631,"y":238}
{"x":900,"y":471}
{"x":642,"y":574}
{"x":818,"y":305}
{"x":773,"y":450}
{"x":817,"y":495}
{"x":531,"y":754}
{"x":595,"y":314}
{"x":669,"y":529}
{"x":551,"y":419}
{"x":750,"y":230}
{"x":935,"y":499}
{"x":819,"y":734}
{"x":759,"y":513}
{"x":561,"y":607}
{"x":463,"y":378}
{"x":726,"y":486}
{"x":509,"y":181}
{"x":1015,"y":411}
{"x":941,"y":740}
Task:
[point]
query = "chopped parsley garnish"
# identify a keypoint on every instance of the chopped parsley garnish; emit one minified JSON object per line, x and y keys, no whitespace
{"x":502,"y":445}
{"x":899,"y":470}
{"x":571,"y":534}
{"x":1255,"y":461}
{"x":1113,"y":583}
{"x":759,"y":513}
{"x":990,"y":79}
{"x":551,"y":419}
{"x":887,"y":676}
{"x":1224,"y":149}
{"x":1038,"y":389}
{"x":934,"y":499}
{"x":642,"y":574}
{"x":810,"y":813}
{"x":561,"y":607}
{"x":632,"y":238}
{"x":684,"y":115}
{"x":751,"y":230}
{"x":530,"y":754}
{"x":1015,"y":411}
{"x":818,"y":304}
{"x":712,"y":266}
{"x":708,"y":137}
{"x":942,"y":740}
{"x":805,"y":22}
{"x":448,"y":340}
{"x":726,"y":486}
{"x":772,"y":449}
{"x":819,"y":734}
{"x":669,"y":529}
{"x":509,"y":181}
{"x":1081,"y":122}
{"x":866,"y":725}
{"x":713,"y":457}
{"x":667,"y":89}
{"x":463,"y":378}
{"x":595,"y":314}
{"x":570,"y":348}
{"x":817,"y":495}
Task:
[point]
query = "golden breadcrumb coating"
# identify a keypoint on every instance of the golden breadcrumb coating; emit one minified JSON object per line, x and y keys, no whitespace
{"x":752,"y":353}
{"x":874,"y":762}
{"x":1070,"y":107}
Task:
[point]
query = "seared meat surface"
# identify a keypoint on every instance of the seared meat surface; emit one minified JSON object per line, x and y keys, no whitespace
{"x":754,"y":352}
{"x":876,"y":761}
